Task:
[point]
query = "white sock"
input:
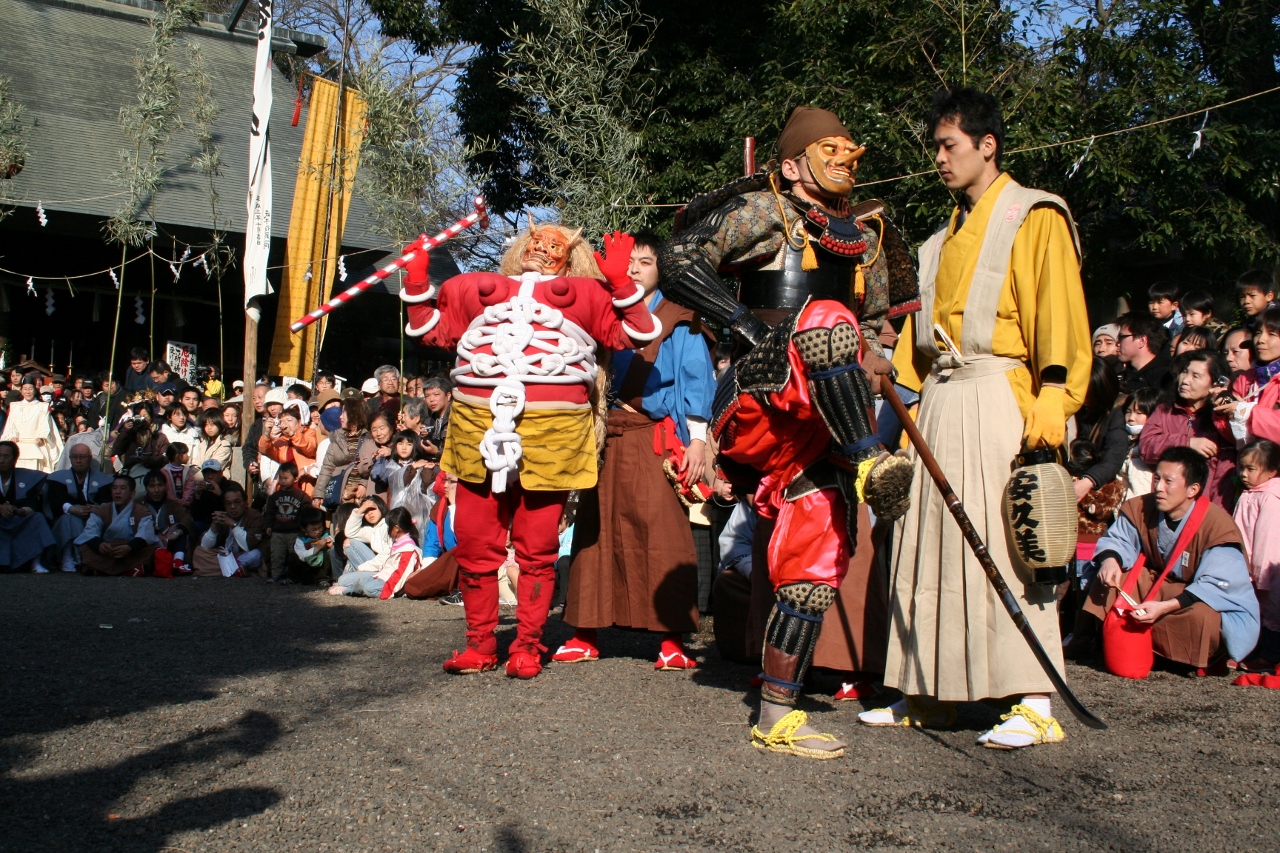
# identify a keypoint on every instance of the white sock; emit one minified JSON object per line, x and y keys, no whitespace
{"x":1039,"y":704}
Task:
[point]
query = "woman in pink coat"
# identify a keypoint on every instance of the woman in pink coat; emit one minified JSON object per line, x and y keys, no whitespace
{"x":1190,"y":421}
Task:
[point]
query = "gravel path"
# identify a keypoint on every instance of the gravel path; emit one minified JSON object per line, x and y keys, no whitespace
{"x":212,"y":715}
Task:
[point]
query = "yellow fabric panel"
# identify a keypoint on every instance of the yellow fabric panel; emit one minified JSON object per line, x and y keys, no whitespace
{"x":1041,"y":318}
{"x":292,"y":355}
{"x":559,"y":446}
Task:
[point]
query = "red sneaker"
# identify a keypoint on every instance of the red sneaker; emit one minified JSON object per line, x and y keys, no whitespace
{"x":523,"y":665}
{"x":851,"y":690}
{"x":180,"y":567}
{"x":470,"y":662}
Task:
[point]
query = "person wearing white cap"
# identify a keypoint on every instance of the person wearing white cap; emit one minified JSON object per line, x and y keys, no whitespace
{"x":1106,"y":341}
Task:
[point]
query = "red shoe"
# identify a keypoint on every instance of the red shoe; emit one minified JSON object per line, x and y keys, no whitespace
{"x":135,"y":572}
{"x":180,"y":567}
{"x":580,"y":648}
{"x":674,"y":660}
{"x":1219,"y":668}
{"x":470,"y":662}
{"x":524,"y":665}
{"x":851,"y":690}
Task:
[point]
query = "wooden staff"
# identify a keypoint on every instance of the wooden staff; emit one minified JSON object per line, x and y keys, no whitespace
{"x":979,"y":548}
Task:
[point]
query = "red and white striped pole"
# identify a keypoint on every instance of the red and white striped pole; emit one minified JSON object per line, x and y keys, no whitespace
{"x":422,"y":244}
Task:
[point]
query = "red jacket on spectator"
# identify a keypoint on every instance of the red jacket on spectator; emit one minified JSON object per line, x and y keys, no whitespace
{"x":1264,"y":419}
{"x":1174,"y":425}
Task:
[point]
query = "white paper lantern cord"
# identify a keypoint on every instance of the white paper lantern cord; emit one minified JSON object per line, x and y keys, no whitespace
{"x":44,"y":220}
{"x":114,"y":280}
{"x":48,"y":301}
{"x":307,"y":277}
{"x":342,"y":267}
{"x":141,"y":318}
{"x":31,"y":287}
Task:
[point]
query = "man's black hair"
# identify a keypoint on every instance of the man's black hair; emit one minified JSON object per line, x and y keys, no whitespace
{"x":126,"y":478}
{"x":154,"y":477}
{"x":1196,"y":300}
{"x":1195,"y":468}
{"x":646,"y":239}
{"x":229,"y":486}
{"x":438,"y":383}
{"x":975,"y":112}
{"x":138,"y":353}
{"x":300,"y":390}
{"x":1141,"y":324}
{"x":160,"y":367}
{"x":1163,"y":290}
{"x":1256,"y":279}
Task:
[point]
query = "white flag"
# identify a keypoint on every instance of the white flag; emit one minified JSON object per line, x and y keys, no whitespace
{"x":258,"y":230}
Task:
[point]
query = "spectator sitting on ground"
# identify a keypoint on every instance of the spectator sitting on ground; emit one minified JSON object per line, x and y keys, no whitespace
{"x":1144,"y":351}
{"x":1135,"y":474}
{"x":1258,"y":516}
{"x":1190,"y":420}
{"x":365,"y":540}
{"x":208,"y":497}
{"x":119,"y":537}
{"x":281,"y":516}
{"x":236,"y":531}
{"x":172,"y":524}
{"x":309,"y":561}
{"x":212,"y":442}
{"x":24,"y":532}
{"x":1205,"y":610}
{"x":384,"y":578}
{"x":138,"y":376}
{"x":70,"y":497}
{"x":387,"y":396}
{"x":1256,"y":291}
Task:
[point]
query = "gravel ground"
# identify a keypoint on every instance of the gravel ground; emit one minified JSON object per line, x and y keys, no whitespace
{"x":212,"y":715}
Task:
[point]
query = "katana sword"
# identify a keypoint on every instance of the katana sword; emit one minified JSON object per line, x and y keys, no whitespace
{"x":422,"y":244}
{"x":979,"y":549}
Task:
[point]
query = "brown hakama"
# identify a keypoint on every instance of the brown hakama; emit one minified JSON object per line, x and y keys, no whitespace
{"x":91,"y":562}
{"x":635,"y":565}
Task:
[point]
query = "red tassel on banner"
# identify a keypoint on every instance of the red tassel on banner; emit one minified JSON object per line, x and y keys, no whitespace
{"x":297,"y":104}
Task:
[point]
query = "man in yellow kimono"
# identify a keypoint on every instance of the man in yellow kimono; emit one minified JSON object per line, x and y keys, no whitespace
{"x":1000,"y":354}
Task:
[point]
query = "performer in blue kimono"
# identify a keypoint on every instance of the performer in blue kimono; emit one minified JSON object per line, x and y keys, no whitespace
{"x":70,"y":496}
{"x":1206,"y":609}
{"x":636,"y":564}
{"x":24,"y":532}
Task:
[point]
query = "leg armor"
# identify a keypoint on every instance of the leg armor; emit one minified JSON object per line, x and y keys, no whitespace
{"x":693,"y":283}
{"x":789,"y":638}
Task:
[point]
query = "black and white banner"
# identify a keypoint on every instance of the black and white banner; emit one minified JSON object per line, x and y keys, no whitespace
{"x":258,"y":228}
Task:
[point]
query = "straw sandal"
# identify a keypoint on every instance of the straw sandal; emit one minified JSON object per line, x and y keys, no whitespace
{"x":782,"y":738}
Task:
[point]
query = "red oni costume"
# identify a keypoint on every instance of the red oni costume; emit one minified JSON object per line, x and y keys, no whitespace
{"x":522,"y":431}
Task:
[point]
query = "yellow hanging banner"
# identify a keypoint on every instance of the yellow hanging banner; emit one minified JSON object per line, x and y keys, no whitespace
{"x":310,"y":268}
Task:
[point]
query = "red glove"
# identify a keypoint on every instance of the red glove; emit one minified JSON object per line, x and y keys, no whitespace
{"x":416,"y":281}
{"x":615,"y":262}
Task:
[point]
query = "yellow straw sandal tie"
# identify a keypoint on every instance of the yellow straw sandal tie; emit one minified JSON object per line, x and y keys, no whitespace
{"x":782,"y":738}
{"x":1039,"y":729}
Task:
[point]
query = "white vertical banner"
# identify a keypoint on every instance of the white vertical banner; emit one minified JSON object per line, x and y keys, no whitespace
{"x":258,"y":229}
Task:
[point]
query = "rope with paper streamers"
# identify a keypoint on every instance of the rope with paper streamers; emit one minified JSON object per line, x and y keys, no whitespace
{"x":1091,"y":138}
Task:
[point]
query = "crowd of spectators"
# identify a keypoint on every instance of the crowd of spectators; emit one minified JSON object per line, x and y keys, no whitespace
{"x":342,"y":486}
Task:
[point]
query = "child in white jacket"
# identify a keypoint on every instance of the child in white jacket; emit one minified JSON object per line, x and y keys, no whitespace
{"x":384,"y":577}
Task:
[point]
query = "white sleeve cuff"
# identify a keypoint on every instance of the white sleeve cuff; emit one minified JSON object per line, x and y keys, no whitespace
{"x":66,"y":508}
{"x":697,"y":428}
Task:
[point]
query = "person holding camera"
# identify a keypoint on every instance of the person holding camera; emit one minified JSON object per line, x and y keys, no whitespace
{"x":139,"y":443}
{"x":1189,"y":419}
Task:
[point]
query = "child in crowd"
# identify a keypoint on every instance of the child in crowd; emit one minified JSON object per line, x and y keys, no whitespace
{"x":281,"y":516}
{"x":1162,"y":302}
{"x":181,"y":479}
{"x":1193,"y":338}
{"x":365,"y":539}
{"x":1255,"y":290}
{"x":1197,"y":310}
{"x":403,"y":472}
{"x":310,"y":560}
{"x":385,"y":578}
{"x":439,"y":536}
{"x":1136,"y":474}
{"x":1258,"y":517}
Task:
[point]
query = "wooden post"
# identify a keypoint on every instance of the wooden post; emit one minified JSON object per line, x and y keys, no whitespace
{"x":247,"y":413}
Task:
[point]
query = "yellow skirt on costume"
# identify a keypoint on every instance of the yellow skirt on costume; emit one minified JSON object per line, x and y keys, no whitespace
{"x":557,"y":439}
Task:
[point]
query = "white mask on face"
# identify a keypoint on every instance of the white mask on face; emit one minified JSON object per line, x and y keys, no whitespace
{"x":1133,"y":429}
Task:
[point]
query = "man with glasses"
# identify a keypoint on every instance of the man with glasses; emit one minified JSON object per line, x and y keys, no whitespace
{"x":1144,"y":352}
